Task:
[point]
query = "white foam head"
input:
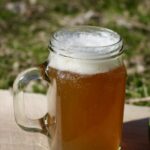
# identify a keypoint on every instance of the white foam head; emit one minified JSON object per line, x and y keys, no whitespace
{"x":85,"y":49}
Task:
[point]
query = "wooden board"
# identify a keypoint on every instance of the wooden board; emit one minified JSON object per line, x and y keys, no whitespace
{"x":135,"y":133}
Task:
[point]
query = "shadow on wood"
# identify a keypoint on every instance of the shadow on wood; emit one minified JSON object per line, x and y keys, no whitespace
{"x":135,"y":135}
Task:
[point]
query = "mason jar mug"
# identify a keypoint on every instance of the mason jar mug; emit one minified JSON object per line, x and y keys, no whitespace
{"x":87,"y":80}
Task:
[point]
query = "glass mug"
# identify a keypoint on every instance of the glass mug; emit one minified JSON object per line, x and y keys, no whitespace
{"x":87,"y":80}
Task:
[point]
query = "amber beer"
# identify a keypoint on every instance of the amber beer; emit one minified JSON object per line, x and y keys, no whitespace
{"x":89,"y":109}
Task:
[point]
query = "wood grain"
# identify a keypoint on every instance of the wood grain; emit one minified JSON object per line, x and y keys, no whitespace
{"x":135,"y":133}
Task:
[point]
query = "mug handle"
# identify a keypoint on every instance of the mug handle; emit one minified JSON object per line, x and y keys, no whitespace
{"x":22,"y":80}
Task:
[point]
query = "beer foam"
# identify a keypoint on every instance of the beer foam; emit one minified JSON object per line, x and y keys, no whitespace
{"x":86,"y":39}
{"x":86,"y":67}
{"x":81,"y":49}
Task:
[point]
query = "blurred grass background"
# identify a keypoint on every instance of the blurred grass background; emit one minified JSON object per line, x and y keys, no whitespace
{"x":26,"y":25}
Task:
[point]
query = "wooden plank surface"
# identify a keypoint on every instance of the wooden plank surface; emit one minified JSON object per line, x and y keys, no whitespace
{"x":135,"y":133}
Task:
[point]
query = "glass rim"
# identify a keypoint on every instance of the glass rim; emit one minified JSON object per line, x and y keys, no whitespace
{"x":110,"y":54}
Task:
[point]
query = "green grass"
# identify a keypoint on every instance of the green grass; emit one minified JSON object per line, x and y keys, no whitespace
{"x":137,"y":86}
{"x":24,"y":37}
{"x":142,"y":104}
